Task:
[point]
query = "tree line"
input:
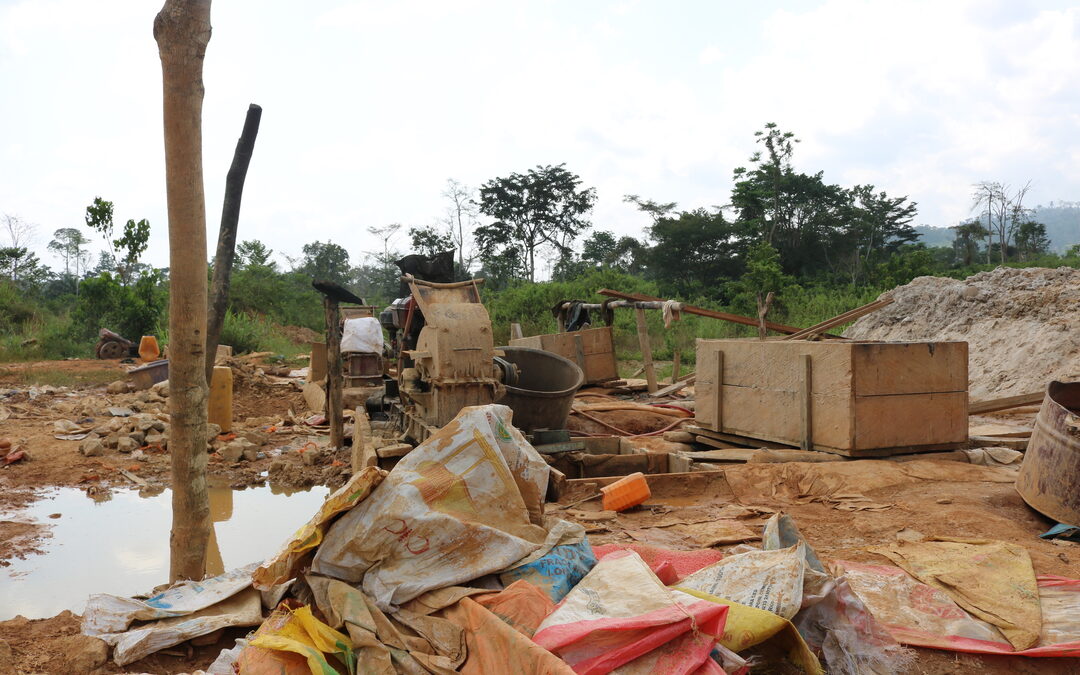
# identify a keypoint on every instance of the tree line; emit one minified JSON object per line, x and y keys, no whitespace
{"x":778,"y":229}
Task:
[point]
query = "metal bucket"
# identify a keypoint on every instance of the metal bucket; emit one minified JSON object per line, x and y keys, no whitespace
{"x":1049,"y":479}
{"x":544,"y":391}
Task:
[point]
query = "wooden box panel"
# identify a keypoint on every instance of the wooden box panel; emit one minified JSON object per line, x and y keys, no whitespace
{"x":592,"y":349}
{"x":865,"y":397}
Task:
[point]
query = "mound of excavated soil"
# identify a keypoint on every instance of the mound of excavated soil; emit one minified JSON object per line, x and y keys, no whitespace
{"x":1022,"y":326}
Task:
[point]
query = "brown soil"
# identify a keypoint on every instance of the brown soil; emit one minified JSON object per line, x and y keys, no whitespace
{"x":55,"y":645}
{"x":300,"y":335}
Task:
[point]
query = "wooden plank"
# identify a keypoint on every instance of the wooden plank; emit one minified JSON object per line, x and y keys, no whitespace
{"x":700,"y":311}
{"x":679,"y":463}
{"x":999,"y":441}
{"x":715,"y":443}
{"x":880,"y":368}
{"x":718,"y":391}
{"x":1000,"y":430}
{"x":722,"y":455}
{"x":744,"y":441}
{"x":363,"y":452}
{"x":779,"y":455}
{"x":646,"y":349}
{"x":579,"y":352}
{"x":806,"y":407}
{"x":672,"y":388}
{"x":840,"y":319}
{"x":910,"y":420}
{"x":394,"y":450}
{"x":997,"y":404}
{"x":515,"y":331}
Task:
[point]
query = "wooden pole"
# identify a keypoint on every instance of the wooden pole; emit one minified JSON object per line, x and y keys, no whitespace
{"x":182,"y":31}
{"x":226,"y":243}
{"x":333,"y":373}
{"x":762,"y":310}
{"x":675,"y":367}
{"x":646,"y":350}
{"x":806,"y":408}
{"x":700,"y":311}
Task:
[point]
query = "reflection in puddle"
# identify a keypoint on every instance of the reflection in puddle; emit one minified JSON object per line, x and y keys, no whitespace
{"x":121,"y":545}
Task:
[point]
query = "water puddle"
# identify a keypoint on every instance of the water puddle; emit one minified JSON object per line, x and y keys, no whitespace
{"x":121,"y":545}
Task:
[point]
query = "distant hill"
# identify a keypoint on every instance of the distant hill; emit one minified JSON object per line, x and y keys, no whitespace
{"x":1062,"y":220}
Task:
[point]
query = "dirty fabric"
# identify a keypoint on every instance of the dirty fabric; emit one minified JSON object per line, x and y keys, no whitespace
{"x":993,"y":580}
{"x":769,"y":580}
{"x":621,"y":611}
{"x":466,"y":502}
{"x":520,"y":605}
{"x":918,"y":614}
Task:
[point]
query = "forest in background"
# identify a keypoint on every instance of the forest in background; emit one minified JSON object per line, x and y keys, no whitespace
{"x":821,"y":248}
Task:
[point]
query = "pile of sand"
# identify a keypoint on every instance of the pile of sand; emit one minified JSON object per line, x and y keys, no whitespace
{"x":1022,"y":326}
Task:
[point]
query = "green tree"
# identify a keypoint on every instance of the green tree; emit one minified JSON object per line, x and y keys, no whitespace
{"x":873,"y":227}
{"x":126,"y":250}
{"x":21,"y":267}
{"x":545,"y":207}
{"x":763,"y":275}
{"x":1031,"y":240}
{"x":966,"y":241}
{"x":254,"y":253}
{"x":326,"y":261}
{"x":694,"y":254}
{"x":69,"y":244}
{"x":429,"y":241}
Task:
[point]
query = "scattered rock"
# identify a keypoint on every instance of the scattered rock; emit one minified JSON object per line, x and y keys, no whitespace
{"x":944,"y":500}
{"x":236,"y":449}
{"x":161,"y":389}
{"x":252,"y":454}
{"x":153,"y":438}
{"x":81,"y":653}
{"x":255,"y":437}
{"x":92,"y":447}
{"x":54,"y":516}
{"x":212,"y":429}
{"x":7,"y":659}
{"x":142,"y":397}
{"x":118,"y":387}
{"x":117,"y":411}
{"x":311,"y":456}
{"x":139,"y":456}
{"x":127,"y":444}
{"x":139,"y":438}
{"x":112,"y":440}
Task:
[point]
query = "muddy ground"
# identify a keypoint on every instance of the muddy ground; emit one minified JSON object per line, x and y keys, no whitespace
{"x":946,"y":500}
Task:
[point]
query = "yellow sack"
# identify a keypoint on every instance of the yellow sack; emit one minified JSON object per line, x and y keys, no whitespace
{"x":748,"y":626}
{"x":287,"y":561}
{"x":305,"y":635}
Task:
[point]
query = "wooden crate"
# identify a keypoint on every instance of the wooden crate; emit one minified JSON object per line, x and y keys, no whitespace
{"x":592,"y":349}
{"x":848,"y":397}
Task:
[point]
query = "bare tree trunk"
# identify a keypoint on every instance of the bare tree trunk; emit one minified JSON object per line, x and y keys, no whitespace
{"x":226,"y":244}
{"x":182,"y":31}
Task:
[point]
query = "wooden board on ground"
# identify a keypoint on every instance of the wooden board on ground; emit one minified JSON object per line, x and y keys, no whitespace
{"x":591,"y":349}
{"x":861,"y":398}
{"x":999,"y":442}
{"x":733,"y":439}
{"x":1006,"y":403}
{"x":999,"y":430}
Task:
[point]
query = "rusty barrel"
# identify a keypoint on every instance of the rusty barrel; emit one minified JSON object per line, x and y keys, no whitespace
{"x":1049,"y":479}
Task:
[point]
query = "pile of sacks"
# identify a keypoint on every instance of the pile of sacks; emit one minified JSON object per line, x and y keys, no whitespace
{"x":449,"y":564}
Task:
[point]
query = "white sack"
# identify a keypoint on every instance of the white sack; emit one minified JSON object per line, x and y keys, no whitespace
{"x":362,"y":335}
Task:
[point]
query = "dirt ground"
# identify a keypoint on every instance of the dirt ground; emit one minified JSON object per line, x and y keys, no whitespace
{"x":929,"y":498}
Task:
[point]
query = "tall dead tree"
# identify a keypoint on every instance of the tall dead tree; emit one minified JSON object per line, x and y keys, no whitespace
{"x":226,"y":243}
{"x":182,"y":31}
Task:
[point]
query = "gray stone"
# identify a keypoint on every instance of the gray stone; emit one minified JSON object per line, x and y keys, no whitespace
{"x":255,"y":437}
{"x":153,"y":438}
{"x":111,"y":440}
{"x":158,"y":425}
{"x":92,"y":447}
{"x":252,"y":454}
{"x":127,"y":444}
{"x":139,"y":438}
{"x":212,"y":429}
{"x":118,"y":387}
{"x":142,"y":397}
{"x":235,"y":450}
{"x":161,"y":389}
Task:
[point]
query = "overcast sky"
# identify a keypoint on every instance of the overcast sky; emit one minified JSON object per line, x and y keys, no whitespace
{"x":370,"y":106}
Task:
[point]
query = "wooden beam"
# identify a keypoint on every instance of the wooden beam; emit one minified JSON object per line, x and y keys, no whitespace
{"x":806,"y":409}
{"x":840,"y":319}
{"x":701,"y":311}
{"x":718,"y":395}
{"x":672,"y":388}
{"x":996,"y":404}
{"x":646,"y":350}
{"x":333,"y":373}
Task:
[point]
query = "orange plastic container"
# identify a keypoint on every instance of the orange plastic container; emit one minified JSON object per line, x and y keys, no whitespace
{"x":148,"y":348}
{"x":626,"y":492}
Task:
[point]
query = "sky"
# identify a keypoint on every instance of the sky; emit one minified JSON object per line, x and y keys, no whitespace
{"x":369,"y":107}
